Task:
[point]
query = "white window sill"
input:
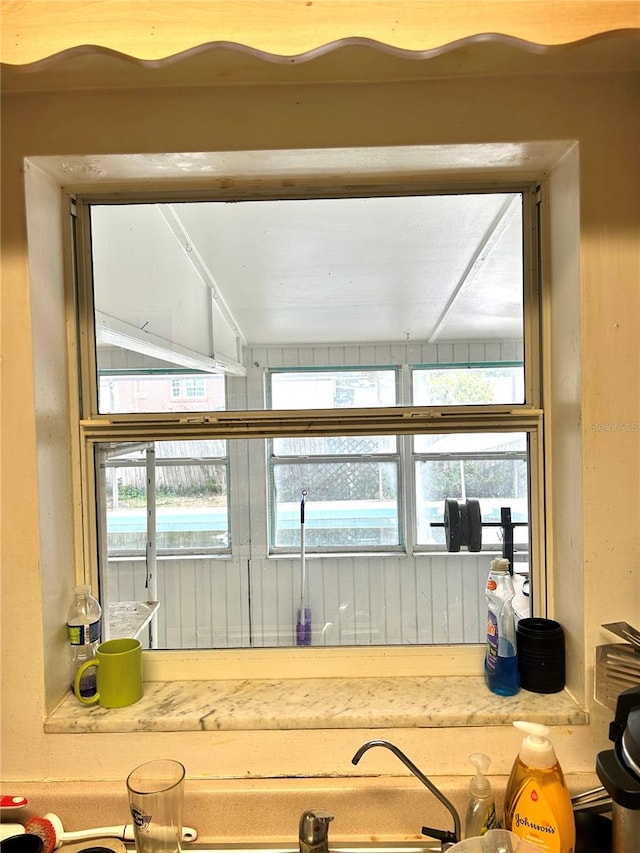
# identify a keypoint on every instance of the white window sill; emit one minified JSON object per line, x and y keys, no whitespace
{"x":316,"y":703}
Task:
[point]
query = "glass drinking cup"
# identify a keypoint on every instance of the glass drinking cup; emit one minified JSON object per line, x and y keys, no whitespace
{"x":156,"y":797}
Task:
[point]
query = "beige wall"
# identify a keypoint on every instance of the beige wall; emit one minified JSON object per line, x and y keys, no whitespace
{"x":600,"y":111}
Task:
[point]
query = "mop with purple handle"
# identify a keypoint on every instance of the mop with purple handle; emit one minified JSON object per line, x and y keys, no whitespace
{"x":303,"y":619}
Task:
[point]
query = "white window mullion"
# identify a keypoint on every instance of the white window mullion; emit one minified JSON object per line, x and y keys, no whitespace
{"x":407,"y":493}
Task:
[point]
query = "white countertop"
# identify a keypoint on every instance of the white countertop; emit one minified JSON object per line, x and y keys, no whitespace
{"x":316,"y":703}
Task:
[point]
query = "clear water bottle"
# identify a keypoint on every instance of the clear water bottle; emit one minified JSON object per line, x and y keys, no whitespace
{"x":501,"y":660}
{"x":84,"y":624}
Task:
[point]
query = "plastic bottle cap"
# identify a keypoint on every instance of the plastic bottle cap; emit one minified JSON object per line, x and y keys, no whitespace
{"x":479,"y":786}
{"x":500,"y":564}
{"x":536,"y":750}
{"x":83,"y":589}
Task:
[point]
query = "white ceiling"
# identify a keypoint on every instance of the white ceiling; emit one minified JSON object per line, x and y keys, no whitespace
{"x":316,"y":271}
{"x":365,"y":269}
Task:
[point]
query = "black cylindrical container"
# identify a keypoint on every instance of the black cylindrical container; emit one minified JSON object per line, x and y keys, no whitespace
{"x":541,"y":656}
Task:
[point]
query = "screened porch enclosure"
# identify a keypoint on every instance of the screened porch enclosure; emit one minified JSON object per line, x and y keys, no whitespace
{"x":397,"y":586}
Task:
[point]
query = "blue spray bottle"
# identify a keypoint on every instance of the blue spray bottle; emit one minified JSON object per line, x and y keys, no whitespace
{"x":501,"y":660}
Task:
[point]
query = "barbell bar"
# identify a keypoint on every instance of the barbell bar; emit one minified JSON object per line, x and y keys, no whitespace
{"x":463,"y":527}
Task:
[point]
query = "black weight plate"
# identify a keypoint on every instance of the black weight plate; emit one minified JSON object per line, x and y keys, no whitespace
{"x":452,"y":525}
{"x":464,"y":524}
{"x":474,"y":516}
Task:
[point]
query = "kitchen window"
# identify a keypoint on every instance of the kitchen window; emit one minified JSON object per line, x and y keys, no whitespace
{"x":189,"y":388}
{"x":375,"y":354}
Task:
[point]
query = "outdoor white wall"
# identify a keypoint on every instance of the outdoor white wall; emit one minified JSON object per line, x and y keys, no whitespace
{"x":354,"y":601}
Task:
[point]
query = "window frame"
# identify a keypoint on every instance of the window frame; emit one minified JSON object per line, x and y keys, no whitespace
{"x":419,"y":456}
{"x":187,"y":388}
{"x":395,"y":458}
{"x":405,"y":457}
{"x":163,"y":552}
{"x":400,"y":420}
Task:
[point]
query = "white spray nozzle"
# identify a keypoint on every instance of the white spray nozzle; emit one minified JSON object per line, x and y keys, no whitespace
{"x":480,"y":786}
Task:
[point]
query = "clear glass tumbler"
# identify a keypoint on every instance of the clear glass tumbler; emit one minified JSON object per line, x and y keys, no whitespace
{"x":156,"y":796}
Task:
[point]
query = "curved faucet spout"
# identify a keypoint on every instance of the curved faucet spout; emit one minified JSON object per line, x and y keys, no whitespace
{"x":417,"y":773}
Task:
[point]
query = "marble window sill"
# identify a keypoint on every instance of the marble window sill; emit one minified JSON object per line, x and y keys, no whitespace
{"x":316,"y":703}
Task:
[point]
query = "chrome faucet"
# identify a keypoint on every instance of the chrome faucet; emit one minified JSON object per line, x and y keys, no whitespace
{"x":313,"y":833}
{"x":447,"y":839}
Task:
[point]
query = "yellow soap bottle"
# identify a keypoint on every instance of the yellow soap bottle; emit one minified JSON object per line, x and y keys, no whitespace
{"x":537,"y":803}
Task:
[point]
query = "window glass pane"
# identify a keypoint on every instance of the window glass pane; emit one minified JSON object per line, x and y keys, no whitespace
{"x":348,"y":504}
{"x":468,"y":385}
{"x":335,"y":445}
{"x":333,"y":389}
{"x":358,"y":278}
{"x":180,"y":524}
{"x":129,"y":392}
{"x":471,"y":443}
{"x":189,"y":498}
{"x":363,"y":302}
{"x":488,"y":467}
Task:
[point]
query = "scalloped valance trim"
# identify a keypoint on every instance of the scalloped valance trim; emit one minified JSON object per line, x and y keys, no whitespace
{"x":344,"y":60}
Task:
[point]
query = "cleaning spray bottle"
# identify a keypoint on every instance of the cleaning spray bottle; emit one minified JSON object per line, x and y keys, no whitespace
{"x":481,"y":809}
{"x":501,"y":660}
{"x":537,"y":803}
